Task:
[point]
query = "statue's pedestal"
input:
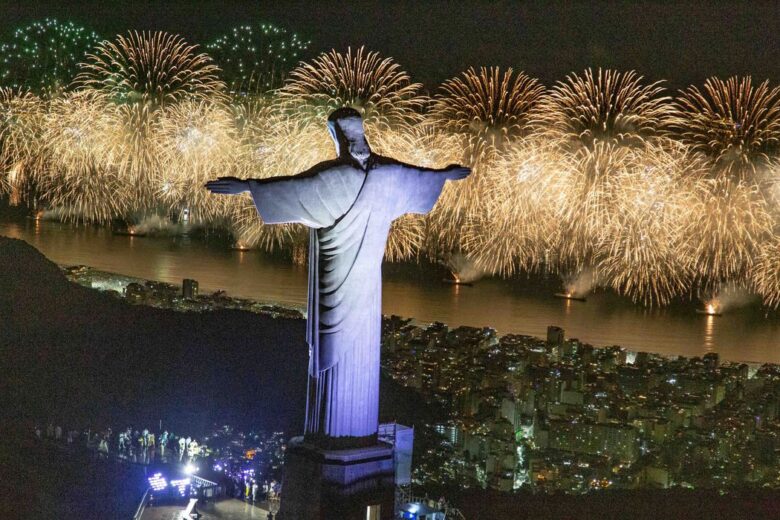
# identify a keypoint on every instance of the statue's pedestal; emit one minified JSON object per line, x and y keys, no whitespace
{"x":321,"y":484}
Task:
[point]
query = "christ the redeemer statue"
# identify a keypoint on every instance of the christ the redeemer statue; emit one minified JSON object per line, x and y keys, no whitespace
{"x":348,"y":204}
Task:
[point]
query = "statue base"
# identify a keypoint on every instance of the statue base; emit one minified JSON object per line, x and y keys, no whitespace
{"x":349,"y":484}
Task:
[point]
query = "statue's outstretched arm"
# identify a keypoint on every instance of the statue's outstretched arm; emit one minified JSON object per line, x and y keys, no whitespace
{"x":417,"y":188}
{"x":315,"y":198}
{"x":228,"y":186}
{"x":453,"y":172}
{"x":236,"y":186}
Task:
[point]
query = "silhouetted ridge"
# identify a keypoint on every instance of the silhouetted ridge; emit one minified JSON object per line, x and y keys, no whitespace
{"x":78,"y":354}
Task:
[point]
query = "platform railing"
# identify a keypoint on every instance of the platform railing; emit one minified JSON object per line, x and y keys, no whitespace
{"x":142,"y":506}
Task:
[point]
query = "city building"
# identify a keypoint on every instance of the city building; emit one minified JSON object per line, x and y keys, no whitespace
{"x":189,"y":289}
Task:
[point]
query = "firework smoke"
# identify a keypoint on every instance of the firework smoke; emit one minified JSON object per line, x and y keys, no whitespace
{"x":580,"y":283}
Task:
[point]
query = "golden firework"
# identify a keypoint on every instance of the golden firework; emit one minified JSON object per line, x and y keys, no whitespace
{"x":516,"y":229}
{"x":606,"y":106}
{"x":138,"y":75}
{"x":733,"y":123}
{"x":643,"y":251}
{"x":21,"y":124}
{"x":375,"y":86}
{"x":486,"y":110}
{"x":154,"y":68}
{"x":734,"y":127}
{"x":197,"y":141}
{"x":598,"y":185}
{"x":80,"y":179}
{"x":489,"y":109}
{"x":765,"y":273}
{"x":728,"y":226}
{"x":608,"y":127}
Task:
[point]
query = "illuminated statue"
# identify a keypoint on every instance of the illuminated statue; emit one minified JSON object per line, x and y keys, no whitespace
{"x":349,"y":204}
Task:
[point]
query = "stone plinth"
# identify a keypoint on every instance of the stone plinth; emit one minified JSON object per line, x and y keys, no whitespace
{"x":321,"y":484}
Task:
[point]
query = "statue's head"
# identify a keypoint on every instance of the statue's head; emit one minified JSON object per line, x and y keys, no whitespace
{"x":346,"y":129}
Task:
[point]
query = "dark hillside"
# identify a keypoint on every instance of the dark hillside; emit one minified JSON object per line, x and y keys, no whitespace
{"x":73,"y":354}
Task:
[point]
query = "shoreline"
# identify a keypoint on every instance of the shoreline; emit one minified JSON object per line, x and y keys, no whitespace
{"x":242,"y":302}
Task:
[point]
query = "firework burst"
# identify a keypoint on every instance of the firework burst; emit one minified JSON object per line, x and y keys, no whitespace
{"x":728,"y":226}
{"x":606,"y":106}
{"x":642,"y":250}
{"x":596,"y":189}
{"x":21,"y":123}
{"x":486,"y":110}
{"x":153,"y":68}
{"x":79,"y":179}
{"x":377,"y":87}
{"x":44,"y":55}
{"x":489,"y":109}
{"x":765,"y":273}
{"x":734,"y":124}
{"x":606,"y":126}
{"x":589,"y":185}
{"x":137,"y":76}
{"x":257,"y":58}
{"x":519,"y":221}
{"x":197,"y":142}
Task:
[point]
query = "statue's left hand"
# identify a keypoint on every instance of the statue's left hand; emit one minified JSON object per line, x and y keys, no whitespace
{"x":228,"y":186}
{"x":456,"y":172}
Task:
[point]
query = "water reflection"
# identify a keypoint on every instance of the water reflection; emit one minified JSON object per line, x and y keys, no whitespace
{"x":519,"y":306}
{"x":709,"y":333}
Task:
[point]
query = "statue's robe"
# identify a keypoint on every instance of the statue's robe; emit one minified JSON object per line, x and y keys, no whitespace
{"x":349,"y":211}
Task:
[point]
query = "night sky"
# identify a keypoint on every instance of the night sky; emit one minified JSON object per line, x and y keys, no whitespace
{"x":683,"y":42}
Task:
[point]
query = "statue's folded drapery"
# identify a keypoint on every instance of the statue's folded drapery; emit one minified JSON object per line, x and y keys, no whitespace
{"x":349,"y":211}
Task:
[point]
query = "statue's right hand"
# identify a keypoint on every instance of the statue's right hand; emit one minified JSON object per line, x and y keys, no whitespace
{"x":228,"y":186}
{"x":456,"y":172}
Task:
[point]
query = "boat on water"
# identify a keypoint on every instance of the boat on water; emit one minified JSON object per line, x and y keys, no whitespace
{"x":710,"y":309}
{"x":456,"y":282}
{"x":708,"y":312}
{"x":569,"y":296}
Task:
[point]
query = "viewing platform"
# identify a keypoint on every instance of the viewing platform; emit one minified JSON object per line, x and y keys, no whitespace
{"x":227,"y":509}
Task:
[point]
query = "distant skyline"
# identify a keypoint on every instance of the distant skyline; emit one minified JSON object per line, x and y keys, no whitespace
{"x":681,"y":42}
